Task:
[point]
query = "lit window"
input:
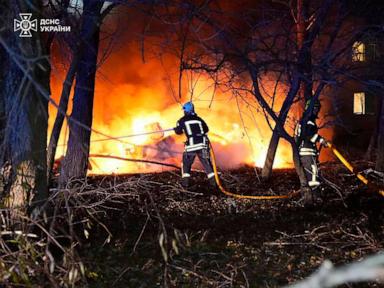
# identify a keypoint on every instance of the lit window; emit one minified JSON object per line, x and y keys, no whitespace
{"x":359,"y":103}
{"x":358,"y":52}
{"x":364,"y":103}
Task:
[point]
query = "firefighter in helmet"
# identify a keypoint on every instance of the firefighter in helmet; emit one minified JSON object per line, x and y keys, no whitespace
{"x":197,"y":144}
{"x":307,"y":139}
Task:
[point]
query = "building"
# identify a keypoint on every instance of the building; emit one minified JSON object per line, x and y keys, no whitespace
{"x":356,"y":103}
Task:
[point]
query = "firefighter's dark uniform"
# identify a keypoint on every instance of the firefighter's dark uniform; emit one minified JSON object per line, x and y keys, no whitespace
{"x":195,"y":129}
{"x":307,"y":137}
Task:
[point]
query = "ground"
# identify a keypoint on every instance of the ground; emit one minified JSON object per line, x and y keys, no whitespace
{"x":161,"y":234}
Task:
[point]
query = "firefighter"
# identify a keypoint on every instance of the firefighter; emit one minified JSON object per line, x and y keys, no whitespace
{"x":307,"y":139}
{"x":197,"y":144}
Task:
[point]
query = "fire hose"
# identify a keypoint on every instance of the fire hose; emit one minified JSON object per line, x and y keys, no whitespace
{"x":294,"y":193}
{"x":351,"y":168}
{"x":254,"y":197}
{"x":133,"y":135}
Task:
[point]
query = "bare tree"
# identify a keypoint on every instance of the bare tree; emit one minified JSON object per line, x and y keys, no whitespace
{"x":252,"y":46}
{"x":78,"y":45}
{"x":84,"y":64}
{"x":59,"y":120}
{"x":304,"y":47}
{"x":248,"y":45}
{"x":24,"y":110}
{"x":76,"y":159}
{"x":61,"y":10}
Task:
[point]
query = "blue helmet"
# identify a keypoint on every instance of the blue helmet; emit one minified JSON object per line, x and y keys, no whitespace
{"x":188,"y":108}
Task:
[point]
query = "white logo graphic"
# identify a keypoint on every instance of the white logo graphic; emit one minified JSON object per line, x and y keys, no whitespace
{"x":25,"y":25}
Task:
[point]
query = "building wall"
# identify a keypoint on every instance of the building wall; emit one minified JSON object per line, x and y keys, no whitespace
{"x":353,"y":131}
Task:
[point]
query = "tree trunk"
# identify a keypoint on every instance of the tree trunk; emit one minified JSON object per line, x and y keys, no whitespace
{"x":305,"y":61}
{"x":279,"y":125}
{"x":380,"y":140}
{"x":26,"y":111}
{"x":59,"y":120}
{"x":65,"y":93}
{"x":271,"y":153}
{"x":75,"y":162}
{"x":300,"y":24}
{"x":299,"y":168}
{"x":3,"y":60}
{"x":274,"y":142}
{"x":267,"y":169}
{"x":305,"y":71}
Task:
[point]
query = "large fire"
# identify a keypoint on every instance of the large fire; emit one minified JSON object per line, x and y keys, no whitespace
{"x":136,"y":98}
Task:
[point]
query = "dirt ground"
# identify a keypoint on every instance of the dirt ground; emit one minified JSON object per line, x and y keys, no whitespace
{"x":163,"y":235}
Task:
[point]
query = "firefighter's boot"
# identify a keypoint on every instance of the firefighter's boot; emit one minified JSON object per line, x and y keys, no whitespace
{"x":307,"y":195}
{"x":185,"y":182}
{"x":318,"y":196}
{"x":212,"y":182}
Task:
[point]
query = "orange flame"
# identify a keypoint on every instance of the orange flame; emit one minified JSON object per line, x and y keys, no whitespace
{"x":138,"y":100}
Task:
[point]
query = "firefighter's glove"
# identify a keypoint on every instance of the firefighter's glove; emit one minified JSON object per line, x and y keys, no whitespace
{"x":324,"y":143}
